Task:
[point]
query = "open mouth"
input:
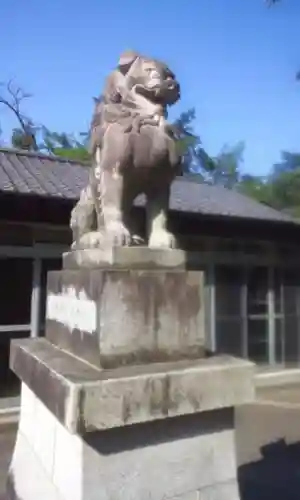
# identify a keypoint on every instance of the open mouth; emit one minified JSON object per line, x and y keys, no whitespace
{"x":166,"y":93}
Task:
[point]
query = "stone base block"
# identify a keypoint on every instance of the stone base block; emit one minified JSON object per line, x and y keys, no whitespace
{"x":85,"y":399}
{"x":184,"y":458}
{"x":113,"y":317}
{"x":138,"y":257}
{"x":160,"y":431}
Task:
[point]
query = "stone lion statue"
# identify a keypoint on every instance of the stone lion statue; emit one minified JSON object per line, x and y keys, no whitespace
{"x":133,"y":151}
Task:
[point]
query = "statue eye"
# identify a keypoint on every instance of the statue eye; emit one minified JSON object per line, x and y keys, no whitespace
{"x":154,"y":73}
{"x":169,"y":75}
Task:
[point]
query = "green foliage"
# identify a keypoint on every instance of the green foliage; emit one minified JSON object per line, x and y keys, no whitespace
{"x":222,"y":169}
{"x":20,"y":140}
{"x":79,"y":154}
{"x":256,"y":187}
{"x":286,"y":190}
{"x":195,"y":158}
{"x":227,"y":165}
{"x":280,"y":189}
{"x":64,"y":145}
{"x":289,"y":163}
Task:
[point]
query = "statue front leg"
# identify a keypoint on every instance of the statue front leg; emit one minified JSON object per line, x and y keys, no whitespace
{"x":83,"y":216}
{"x":157,"y":209}
{"x":115,"y":208}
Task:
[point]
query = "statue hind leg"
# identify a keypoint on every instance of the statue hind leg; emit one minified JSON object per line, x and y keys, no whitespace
{"x":83,"y":216}
{"x":157,"y":215}
{"x":86,"y":216}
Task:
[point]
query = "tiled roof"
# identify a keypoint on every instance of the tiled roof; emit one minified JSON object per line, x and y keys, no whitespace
{"x":30,"y":173}
{"x":38,"y":174}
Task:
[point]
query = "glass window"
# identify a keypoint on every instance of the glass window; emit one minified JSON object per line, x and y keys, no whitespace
{"x":257,"y":291}
{"x":291,"y":284}
{"x":291,"y":339}
{"x":15,"y":291}
{"x":242,"y":311}
{"x":9,"y":382}
{"x":291,"y":315}
{"x":279,"y":339}
{"x":257,"y":313}
{"x":278,"y":290}
{"x":228,"y":285}
{"x":251,"y":300}
{"x":258,"y":340}
{"x":229,"y":336}
{"x":15,"y":309}
{"x":228,"y":321}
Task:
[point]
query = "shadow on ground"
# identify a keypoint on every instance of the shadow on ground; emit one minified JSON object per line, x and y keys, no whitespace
{"x":275,"y":477}
{"x":267,"y":448}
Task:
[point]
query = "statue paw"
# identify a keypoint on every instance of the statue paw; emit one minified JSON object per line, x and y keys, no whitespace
{"x":92,"y":239}
{"x":118,"y":234}
{"x":137,"y":240}
{"x":162,"y":239}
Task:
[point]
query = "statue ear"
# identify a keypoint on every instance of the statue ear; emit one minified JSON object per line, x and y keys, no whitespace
{"x":126,"y":60}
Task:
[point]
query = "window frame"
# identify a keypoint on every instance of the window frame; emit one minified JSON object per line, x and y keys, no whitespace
{"x":275,"y":339}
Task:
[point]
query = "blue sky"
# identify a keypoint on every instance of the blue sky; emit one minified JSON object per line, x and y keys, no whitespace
{"x":235,"y":59}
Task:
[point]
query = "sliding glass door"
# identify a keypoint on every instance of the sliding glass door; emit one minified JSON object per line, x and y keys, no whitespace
{"x":257,"y":313}
{"x":290,"y":319}
{"x":22,"y":306}
{"x":15,"y":309}
{"x":229,"y":320}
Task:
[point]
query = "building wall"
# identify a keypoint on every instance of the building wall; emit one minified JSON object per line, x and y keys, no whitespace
{"x":252,"y":279}
{"x":22,"y":302}
{"x":252,"y":297}
{"x":257,"y":312}
{"x":29,"y":248}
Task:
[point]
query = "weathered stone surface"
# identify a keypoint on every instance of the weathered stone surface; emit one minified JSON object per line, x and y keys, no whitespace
{"x":133,"y":150}
{"x":27,"y":478}
{"x":116,"y":317}
{"x":184,"y":458}
{"x":220,"y":491}
{"x":84,"y":398}
{"x":138,"y":257}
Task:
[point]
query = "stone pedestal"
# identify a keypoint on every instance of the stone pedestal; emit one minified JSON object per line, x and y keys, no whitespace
{"x":118,"y":401}
{"x":133,"y":306}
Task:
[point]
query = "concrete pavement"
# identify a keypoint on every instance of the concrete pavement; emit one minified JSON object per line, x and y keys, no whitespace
{"x":7,"y":440}
{"x":267,"y":446}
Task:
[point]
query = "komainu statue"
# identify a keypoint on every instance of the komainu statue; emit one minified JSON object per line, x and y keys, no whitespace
{"x":133,"y":152}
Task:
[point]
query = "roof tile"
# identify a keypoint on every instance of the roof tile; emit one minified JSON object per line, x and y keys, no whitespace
{"x":41,"y":175}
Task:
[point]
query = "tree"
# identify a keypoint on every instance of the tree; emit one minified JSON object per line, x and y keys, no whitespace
{"x":223,"y":169}
{"x":65,"y":145}
{"x":285,"y":181}
{"x":256,"y":187}
{"x":23,"y":136}
{"x":195,"y":158}
{"x":280,"y":189}
{"x":227,"y":164}
{"x":271,"y":2}
{"x":289,"y":163}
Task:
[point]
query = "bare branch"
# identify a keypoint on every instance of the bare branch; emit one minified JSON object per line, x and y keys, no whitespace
{"x":270,"y":3}
{"x":13,"y":101}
